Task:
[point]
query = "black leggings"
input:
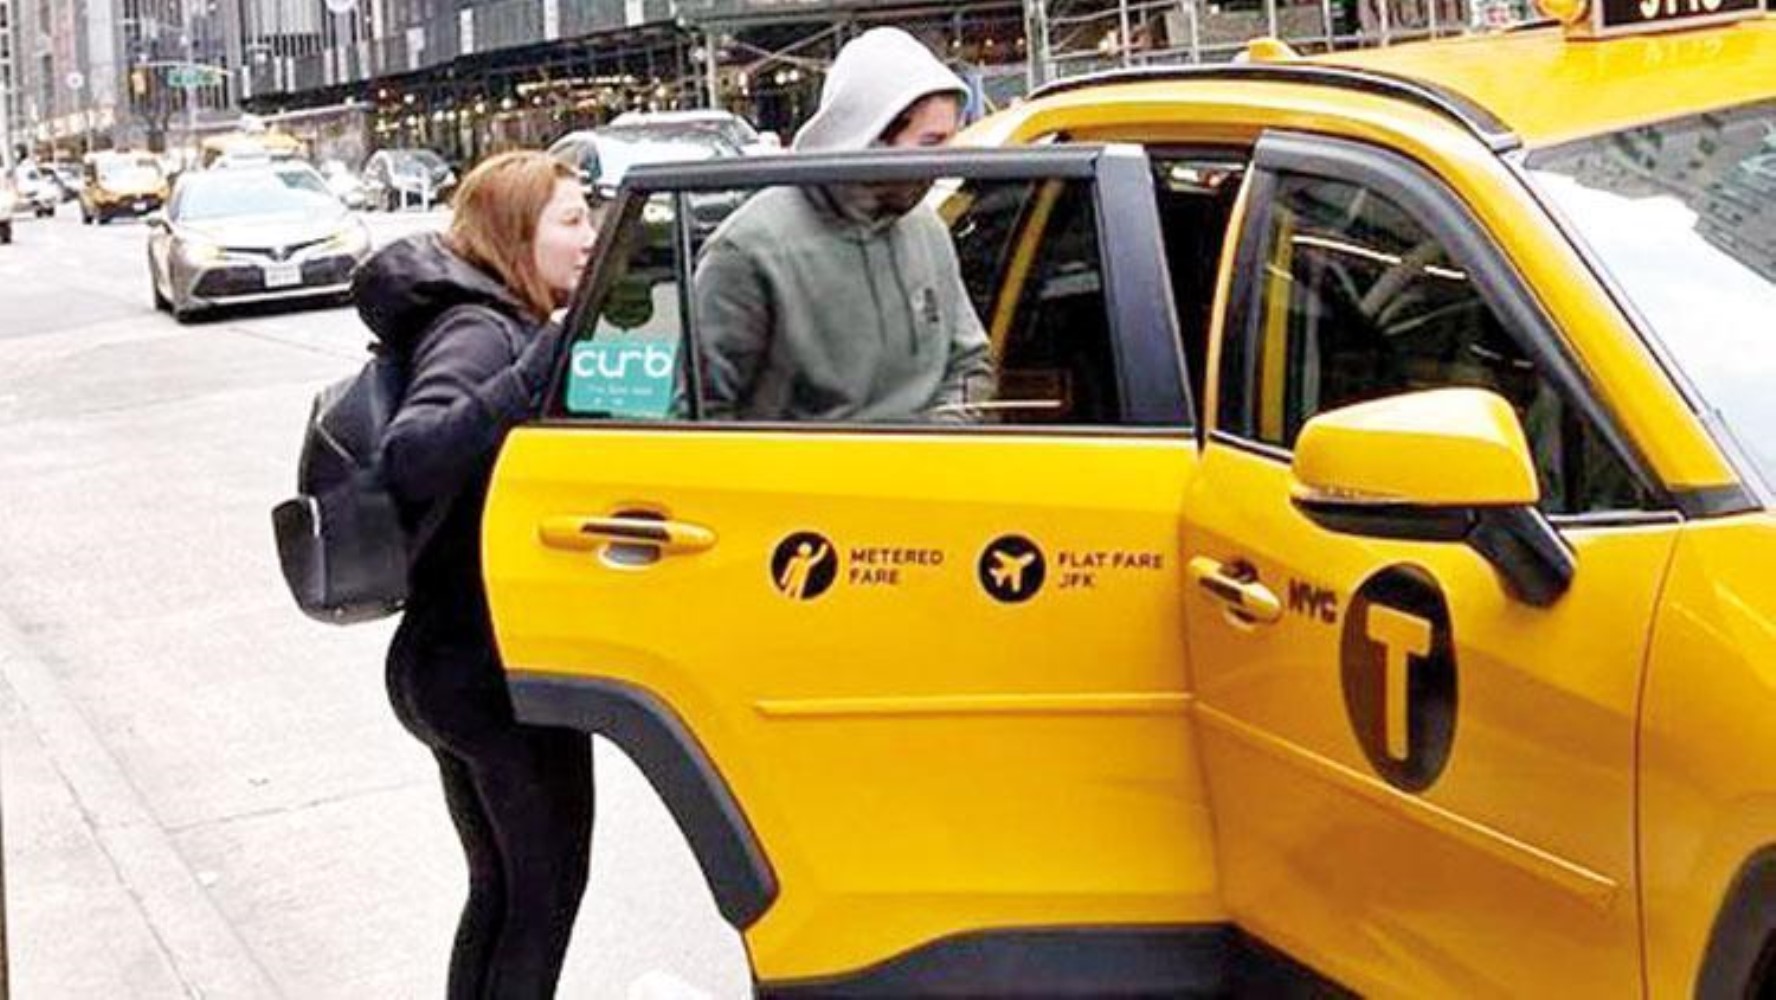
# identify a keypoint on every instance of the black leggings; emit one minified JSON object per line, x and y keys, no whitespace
{"x":521,"y":798}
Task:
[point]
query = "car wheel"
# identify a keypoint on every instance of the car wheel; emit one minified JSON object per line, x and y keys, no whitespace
{"x":86,"y":218}
{"x":160,"y":301}
{"x":104,"y":220}
{"x":181,"y":314}
{"x":6,"y":234}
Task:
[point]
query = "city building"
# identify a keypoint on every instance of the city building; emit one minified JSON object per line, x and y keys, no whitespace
{"x":468,"y":77}
{"x":9,"y":111}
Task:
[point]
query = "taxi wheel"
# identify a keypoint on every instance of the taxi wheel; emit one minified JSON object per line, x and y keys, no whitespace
{"x":6,"y":234}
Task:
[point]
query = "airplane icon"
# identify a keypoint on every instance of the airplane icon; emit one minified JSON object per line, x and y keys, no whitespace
{"x":1008,"y":573}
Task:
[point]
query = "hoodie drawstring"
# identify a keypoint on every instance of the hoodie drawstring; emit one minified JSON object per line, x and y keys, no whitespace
{"x":869,"y":278}
{"x":912,"y":308}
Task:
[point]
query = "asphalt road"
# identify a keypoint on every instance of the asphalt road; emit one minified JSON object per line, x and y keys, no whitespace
{"x":204,"y":793}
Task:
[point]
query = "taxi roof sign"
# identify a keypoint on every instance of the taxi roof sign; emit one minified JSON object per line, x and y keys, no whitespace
{"x":1609,"y":18}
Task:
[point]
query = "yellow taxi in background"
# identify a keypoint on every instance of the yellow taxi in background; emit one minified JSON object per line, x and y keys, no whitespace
{"x":1359,"y":578}
{"x":121,"y":184}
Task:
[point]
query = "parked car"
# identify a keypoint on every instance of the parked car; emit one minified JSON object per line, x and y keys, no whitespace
{"x":67,"y":176}
{"x":603,"y":155}
{"x":121,"y":184}
{"x":735,"y":129}
{"x":252,"y":234}
{"x":8,"y":205}
{"x":346,"y":184}
{"x":396,"y":178}
{"x":37,"y":188}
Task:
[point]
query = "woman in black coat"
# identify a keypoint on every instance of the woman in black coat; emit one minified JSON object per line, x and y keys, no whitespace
{"x":469,"y":311}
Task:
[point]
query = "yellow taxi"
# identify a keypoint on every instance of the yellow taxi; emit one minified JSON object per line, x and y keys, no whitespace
{"x":1359,"y":577}
{"x":129,"y":184}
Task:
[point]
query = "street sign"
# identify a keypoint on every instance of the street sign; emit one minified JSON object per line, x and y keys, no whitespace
{"x":193,"y":76}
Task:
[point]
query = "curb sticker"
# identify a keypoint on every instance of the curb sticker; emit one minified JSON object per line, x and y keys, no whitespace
{"x":623,"y":376}
{"x":1011,"y":569}
{"x":804,"y":566}
{"x":1397,"y":664}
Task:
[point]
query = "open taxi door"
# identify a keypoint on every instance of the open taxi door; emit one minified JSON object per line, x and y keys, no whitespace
{"x":914,"y":691}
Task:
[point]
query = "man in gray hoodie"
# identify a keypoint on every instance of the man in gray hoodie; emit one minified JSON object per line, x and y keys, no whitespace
{"x":846,"y":303}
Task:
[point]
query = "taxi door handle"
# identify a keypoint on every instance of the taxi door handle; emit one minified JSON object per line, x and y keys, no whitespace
{"x":583,"y":534}
{"x":1238,"y":588}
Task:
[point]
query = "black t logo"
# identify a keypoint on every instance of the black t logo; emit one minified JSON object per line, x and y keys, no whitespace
{"x":1398,"y":669}
{"x":1011,"y":568}
{"x":803,"y":566}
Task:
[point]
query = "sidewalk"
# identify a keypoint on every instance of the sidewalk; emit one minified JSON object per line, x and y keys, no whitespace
{"x":98,"y":902}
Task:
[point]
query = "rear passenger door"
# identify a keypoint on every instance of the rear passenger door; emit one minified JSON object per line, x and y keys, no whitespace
{"x":928,"y":672}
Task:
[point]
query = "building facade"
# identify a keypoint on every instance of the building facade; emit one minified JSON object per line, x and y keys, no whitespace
{"x":471,"y":76}
{"x":9,"y":108}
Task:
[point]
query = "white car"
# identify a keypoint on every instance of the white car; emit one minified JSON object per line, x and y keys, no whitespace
{"x":346,"y":184}
{"x":37,"y":188}
{"x":252,"y":234}
{"x":736,"y":130}
{"x":602,"y":156}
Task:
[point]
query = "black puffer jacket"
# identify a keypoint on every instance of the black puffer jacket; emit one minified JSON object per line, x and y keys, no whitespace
{"x":477,"y":362}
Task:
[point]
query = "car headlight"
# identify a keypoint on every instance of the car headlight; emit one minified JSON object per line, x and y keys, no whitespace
{"x":352,"y":240}
{"x":196,"y":251}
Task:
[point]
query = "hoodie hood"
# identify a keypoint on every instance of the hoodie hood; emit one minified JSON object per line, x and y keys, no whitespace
{"x":877,"y":75}
{"x":408,"y":284}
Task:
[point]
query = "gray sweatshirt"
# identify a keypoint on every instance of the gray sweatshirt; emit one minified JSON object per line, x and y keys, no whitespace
{"x":807,"y":313}
{"x":817,"y":304}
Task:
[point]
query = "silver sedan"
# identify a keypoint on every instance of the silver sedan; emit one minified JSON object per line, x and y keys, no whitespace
{"x":252,"y":234}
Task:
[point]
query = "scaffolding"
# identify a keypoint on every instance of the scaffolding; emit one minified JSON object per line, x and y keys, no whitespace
{"x":1070,"y":37}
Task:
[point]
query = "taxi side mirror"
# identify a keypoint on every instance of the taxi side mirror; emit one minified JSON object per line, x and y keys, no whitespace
{"x":1445,"y":465}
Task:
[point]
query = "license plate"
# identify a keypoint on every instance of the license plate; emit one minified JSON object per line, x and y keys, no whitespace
{"x":282,"y":275}
{"x":141,"y":206}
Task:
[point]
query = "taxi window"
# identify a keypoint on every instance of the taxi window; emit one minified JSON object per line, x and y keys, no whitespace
{"x":966,"y":303}
{"x":625,"y":361}
{"x":1358,"y":301}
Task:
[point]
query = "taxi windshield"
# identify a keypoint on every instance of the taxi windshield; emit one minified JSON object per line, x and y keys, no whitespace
{"x":1682,"y":215}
